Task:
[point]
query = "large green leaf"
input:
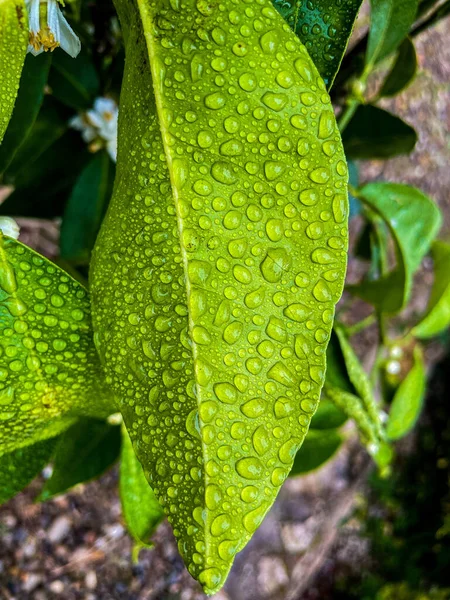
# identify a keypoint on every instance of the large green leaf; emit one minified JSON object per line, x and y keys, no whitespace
{"x":324,"y":26}
{"x":318,"y":448}
{"x":403,"y":70}
{"x":84,"y":452}
{"x":13,"y":47}
{"x":86,"y":207}
{"x":390,"y":22}
{"x":20,"y":467}
{"x":376,"y":133}
{"x":26,"y":109}
{"x":414,"y":220}
{"x":141,"y":510}
{"x":49,"y":370}
{"x":408,"y":400}
{"x":219,"y":262}
{"x":437,"y":317}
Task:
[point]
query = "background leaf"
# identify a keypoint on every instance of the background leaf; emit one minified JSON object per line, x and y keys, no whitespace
{"x":49,"y":368}
{"x":403,"y":70}
{"x":20,"y":467}
{"x":414,"y":220}
{"x":84,"y":451}
{"x":327,"y":415}
{"x":376,"y":133}
{"x":141,"y":510}
{"x":437,"y":317}
{"x":408,"y":400}
{"x":318,"y":448}
{"x":324,"y":27}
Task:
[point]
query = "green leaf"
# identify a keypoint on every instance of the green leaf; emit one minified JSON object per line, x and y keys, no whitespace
{"x":408,"y":400}
{"x":402,"y":72}
{"x":84,"y":452}
{"x":141,"y":510}
{"x":26,"y":109}
{"x":317,"y":449}
{"x":437,"y":317}
{"x":49,"y":369}
{"x":337,"y":374}
{"x":327,"y":415}
{"x":86,"y":207}
{"x":13,"y":47}
{"x":324,"y":27}
{"x":414,"y":220}
{"x":390,"y":23}
{"x":219,"y":262}
{"x":20,"y":467}
{"x":74,"y":82}
{"x":376,"y":133}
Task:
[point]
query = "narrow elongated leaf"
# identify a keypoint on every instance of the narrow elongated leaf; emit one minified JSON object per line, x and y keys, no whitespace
{"x":26,"y":109}
{"x":376,"y":133}
{"x":437,"y":317}
{"x":86,"y":207}
{"x":219,"y":262}
{"x":408,"y":400}
{"x":337,"y":374}
{"x":414,"y":220}
{"x":85,"y":451}
{"x":20,"y":467}
{"x":49,"y":370}
{"x":13,"y":47}
{"x":324,"y":27}
{"x":403,"y":70}
{"x":141,"y":510}
{"x":390,"y":22}
{"x":318,"y":448}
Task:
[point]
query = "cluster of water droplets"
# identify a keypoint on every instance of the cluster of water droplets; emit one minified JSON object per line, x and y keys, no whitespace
{"x":214,"y":293}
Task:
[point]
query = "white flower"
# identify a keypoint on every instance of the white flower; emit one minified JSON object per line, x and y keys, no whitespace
{"x":49,"y":29}
{"x":9,"y":227}
{"x":98,"y":126}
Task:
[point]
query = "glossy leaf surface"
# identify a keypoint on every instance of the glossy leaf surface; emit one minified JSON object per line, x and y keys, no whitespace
{"x":219,"y":263}
{"x":403,"y":70}
{"x":318,"y":448}
{"x":408,"y":400}
{"x":49,"y":369}
{"x":376,"y":133}
{"x":19,"y":467}
{"x":437,"y":317}
{"x":141,"y":510}
{"x":414,"y":220}
{"x":85,"y":451}
{"x":13,"y":46}
{"x":324,"y":27}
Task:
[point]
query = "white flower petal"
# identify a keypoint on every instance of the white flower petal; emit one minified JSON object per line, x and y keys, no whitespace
{"x":111,"y":147}
{"x":94,"y":118}
{"x":102,"y":105}
{"x":33,"y":15}
{"x":9,"y":227}
{"x":68,"y":39}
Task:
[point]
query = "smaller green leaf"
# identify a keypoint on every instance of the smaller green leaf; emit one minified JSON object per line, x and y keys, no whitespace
{"x":337,"y":375}
{"x":85,"y":451}
{"x":141,"y":510}
{"x":376,"y":133}
{"x":353,"y":180}
{"x":27,"y":107}
{"x":317,"y":449}
{"x":20,"y":467}
{"x":327,"y":415}
{"x":86,"y":207}
{"x":74,"y":82}
{"x":408,"y":400}
{"x":437,"y":317}
{"x":390,"y":22}
{"x":403,"y":70}
{"x":13,"y":47}
{"x":413,"y":220}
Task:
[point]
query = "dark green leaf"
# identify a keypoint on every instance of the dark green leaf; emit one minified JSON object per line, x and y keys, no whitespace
{"x":141,"y":510}
{"x":337,"y":375}
{"x":437,"y":317}
{"x":317,"y":449}
{"x":408,"y":400}
{"x":20,"y":467}
{"x":83,"y":452}
{"x":86,"y":207}
{"x":414,"y":220}
{"x":403,"y":70}
{"x":328,"y":415}
{"x":353,"y":180}
{"x":376,"y":133}
{"x":324,"y":27}
{"x":26,"y":108}
{"x":49,"y":368}
{"x":74,"y":82}
{"x":390,"y":23}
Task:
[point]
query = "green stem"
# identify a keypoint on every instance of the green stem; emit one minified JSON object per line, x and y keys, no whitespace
{"x":360,"y":325}
{"x":352,"y":406}
{"x":347,"y":113}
